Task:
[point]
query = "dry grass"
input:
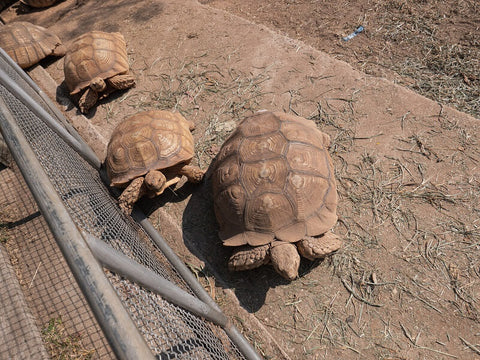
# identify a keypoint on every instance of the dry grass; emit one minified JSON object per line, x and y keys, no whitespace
{"x":422,"y":39}
{"x":437,"y":229}
{"x":62,"y":345}
{"x":219,"y":98}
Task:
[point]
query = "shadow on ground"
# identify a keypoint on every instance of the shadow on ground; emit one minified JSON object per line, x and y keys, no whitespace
{"x":200,"y":229}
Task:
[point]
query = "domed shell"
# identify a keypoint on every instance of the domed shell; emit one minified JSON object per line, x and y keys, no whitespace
{"x":151,"y":140}
{"x":39,"y":3}
{"x":27,"y":43}
{"x":274,"y":178}
{"x":94,"y":54}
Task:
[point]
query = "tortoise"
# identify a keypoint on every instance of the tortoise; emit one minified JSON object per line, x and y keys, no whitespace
{"x":96,"y":64}
{"x":27,"y":44}
{"x":274,"y":193}
{"x":38,"y":3}
{"x":149,"y":152}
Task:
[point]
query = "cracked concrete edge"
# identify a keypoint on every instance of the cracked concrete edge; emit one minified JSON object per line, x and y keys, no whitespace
{"x":87,"y":131}
{"x":20,"y":337}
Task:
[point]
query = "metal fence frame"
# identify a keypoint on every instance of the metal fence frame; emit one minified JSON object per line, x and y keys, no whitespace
{"x":86,"y":255}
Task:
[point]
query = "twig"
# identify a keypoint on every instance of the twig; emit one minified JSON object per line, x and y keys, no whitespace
{"x":471,"y":346}
{"x":422,"y":300}
{"x":34,"y":275}
{"x":437,"y":351}
{"x":358,"y":297}
{"x":367,"y":137}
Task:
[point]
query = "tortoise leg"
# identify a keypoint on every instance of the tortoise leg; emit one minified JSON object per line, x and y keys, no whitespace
{"x":131,"y":194}
{"x":248,"y":257}
{"x":119,"y":82}
{"x":193,"y":173}
{"x":285,"y":259}
{"x":59,"y":50}
{"x":156,"y":182}
{"x":318,"y":247}
{"x":88,"y":99}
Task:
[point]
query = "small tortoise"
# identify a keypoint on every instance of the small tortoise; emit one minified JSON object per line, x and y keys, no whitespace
{"x":97,"y":64}
{"x":149,"y":152}
{"x":39,"y":3}
{"x":274,"y":193}
{"x":27,"y":44}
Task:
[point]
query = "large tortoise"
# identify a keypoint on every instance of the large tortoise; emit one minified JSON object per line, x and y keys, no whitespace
{"x":149,"y":152}
{"x":27,"y":44}
{"x":39,"y":3}
{"x":274,"y":193}
{"x":96,"y":64}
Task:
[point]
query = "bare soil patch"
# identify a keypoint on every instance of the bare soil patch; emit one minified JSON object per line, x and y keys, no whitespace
{"x":406,"y":283}
{"x":429,"y":46}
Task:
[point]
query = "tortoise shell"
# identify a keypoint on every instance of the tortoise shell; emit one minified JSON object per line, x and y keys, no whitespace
{"x":94,"y":54}
{"x":27,"y":43}
{"x":274,"y":179}
{"x":39,"y":3}
{"x":150,"y":140}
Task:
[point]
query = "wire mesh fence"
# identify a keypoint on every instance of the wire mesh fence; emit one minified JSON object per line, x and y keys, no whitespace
{"x":170,"y":330}
{"x":49,"y":289}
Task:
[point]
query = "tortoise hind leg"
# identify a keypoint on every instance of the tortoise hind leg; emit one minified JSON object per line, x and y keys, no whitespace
{"x":87,"y":100}
{"x":120,"y":82}
{"x":318,"y":247}
{"x":131,"y":194}
{"x":193,"y":173}
{"x":247,"y":257}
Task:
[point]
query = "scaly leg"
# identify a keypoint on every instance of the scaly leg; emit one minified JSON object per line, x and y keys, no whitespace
{"x":88,"y":99}
{"x":131,"y":194}
{"x":121,"y":81}
{"x":193,"y":173}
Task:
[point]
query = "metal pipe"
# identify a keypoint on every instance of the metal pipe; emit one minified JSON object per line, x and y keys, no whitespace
{"x":84,"y":151}
{"x":23,"y":75}
{"x":237,"y":338}
{"x":118,"y":327}
{"x":122,"y":265}
{"x":184,"y":272}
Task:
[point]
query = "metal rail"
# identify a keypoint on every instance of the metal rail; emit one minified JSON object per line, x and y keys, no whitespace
{"x":238,"y":339}
{"x":118,"y":327}
{"x":40,"y":112}
{"x":51,"y":106}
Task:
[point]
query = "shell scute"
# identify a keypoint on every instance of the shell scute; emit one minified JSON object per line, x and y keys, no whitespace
{"x":94,"y":54}
{"x":281,"y":166}
{"x":262,"y":147}
{"x":152,"y":140}
{"x":27,"y":44}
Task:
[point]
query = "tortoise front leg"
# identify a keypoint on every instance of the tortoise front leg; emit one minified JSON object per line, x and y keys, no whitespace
{"x":119,"y":82}
{"x":88,"y":99}
{"x":131,"y":194}
{"x":193,"y":173}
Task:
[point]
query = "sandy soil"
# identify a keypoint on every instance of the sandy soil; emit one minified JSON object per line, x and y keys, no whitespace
{"x":406,"y":283}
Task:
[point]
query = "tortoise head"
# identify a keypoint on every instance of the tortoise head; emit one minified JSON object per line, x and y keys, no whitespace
{"x":98,"y":84}
{"x":155,"y":181}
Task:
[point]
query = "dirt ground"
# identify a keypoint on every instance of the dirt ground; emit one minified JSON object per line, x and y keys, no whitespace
{"x":406,"y":283}
{"x":429,"y":46}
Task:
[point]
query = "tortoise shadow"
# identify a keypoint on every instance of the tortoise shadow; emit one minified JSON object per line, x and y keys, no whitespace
{"x":200,"y":229}
{"x":63,"y":97}
{"x":21,"y":8}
